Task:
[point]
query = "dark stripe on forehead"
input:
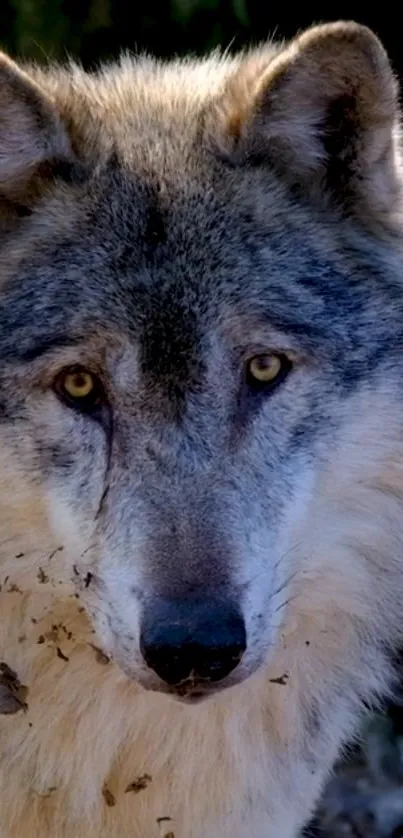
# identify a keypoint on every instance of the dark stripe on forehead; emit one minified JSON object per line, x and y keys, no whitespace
{"x":170,"y":341}
{"x":31,"y":350}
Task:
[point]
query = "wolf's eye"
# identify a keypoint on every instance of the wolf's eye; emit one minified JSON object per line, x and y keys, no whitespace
{"x":79,"y":388}
{"x":267,"y":369}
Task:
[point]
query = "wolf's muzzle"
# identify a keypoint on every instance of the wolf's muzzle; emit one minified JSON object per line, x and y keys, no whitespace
{"x":191,"y":641}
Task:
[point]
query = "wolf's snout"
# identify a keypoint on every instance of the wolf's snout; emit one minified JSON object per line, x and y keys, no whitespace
{"x":192,"y":641}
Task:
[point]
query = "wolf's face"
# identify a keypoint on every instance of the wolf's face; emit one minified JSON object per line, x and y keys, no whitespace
{"x":198,"y":362}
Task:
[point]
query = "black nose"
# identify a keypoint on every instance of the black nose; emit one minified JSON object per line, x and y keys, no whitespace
{"x":186,"y":639}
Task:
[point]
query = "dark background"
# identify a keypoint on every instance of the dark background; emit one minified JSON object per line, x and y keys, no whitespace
{"x":97,"y":29}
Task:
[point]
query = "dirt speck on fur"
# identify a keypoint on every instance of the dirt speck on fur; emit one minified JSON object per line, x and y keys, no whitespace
{"x":281,"y":680}
{"x":61,"y":655}
{"x":43,"y":578}
{"x":109,"y":798}
{"x":13,"y":694}
{"x":139,"y":784}
{"x":51,"y":790}
{"x":69,"y":634}
{"x":52,"y":634}
{"x":161,"y":822}
{"x":100,"y":656}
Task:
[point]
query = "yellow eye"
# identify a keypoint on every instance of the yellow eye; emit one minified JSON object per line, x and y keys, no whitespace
{"x":79,"y":387}
{"x":265,"y":368}
{"x":78,"y":384}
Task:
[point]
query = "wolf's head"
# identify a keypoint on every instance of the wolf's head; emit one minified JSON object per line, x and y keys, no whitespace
{"x":200,"y":342}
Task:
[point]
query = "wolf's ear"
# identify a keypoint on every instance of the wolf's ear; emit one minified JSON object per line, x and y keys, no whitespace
{"x":323,"y":112}
{"x":33,"y":140}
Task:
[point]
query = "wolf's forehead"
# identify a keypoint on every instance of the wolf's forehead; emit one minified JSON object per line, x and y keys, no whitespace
{"x":165,"y":266}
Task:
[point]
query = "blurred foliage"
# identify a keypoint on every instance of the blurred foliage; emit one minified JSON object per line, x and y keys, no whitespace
{"x":95,"y":29}
{"x":98,"y":29}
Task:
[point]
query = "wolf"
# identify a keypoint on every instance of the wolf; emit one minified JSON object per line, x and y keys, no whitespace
{"x":201,"y":419}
